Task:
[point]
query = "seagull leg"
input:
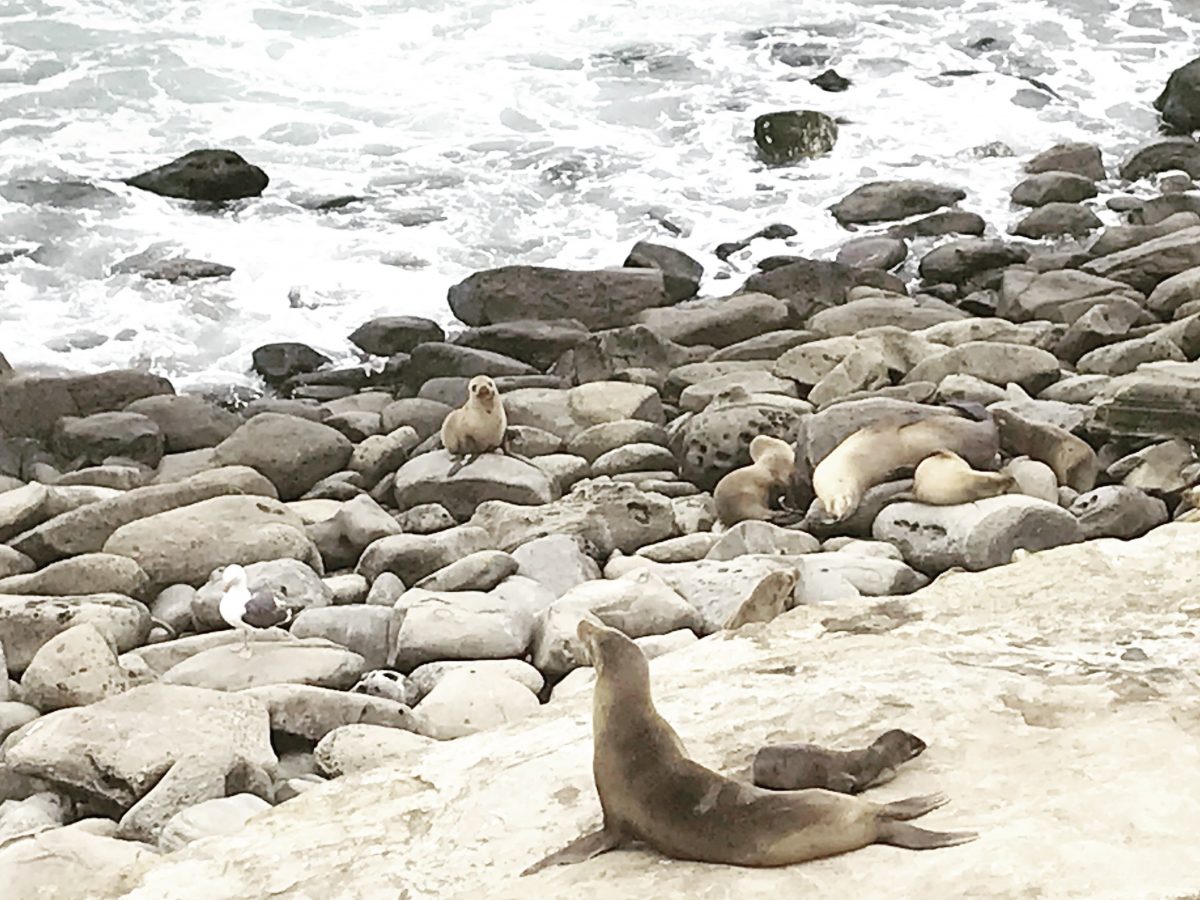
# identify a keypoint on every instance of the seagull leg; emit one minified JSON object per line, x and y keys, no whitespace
{"x":244,"y":651}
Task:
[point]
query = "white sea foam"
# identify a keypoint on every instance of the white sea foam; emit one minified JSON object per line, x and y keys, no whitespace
{"x":483,"y":132}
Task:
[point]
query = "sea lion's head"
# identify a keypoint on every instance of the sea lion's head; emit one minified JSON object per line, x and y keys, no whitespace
{"x":609,"y":650}
{"x":482,"y":388}
{"x":774,"y":455}
{"x":899,"y":745}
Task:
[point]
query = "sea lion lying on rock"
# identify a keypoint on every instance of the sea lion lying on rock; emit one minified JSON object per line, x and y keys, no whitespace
{"x":944,"y":478}
{"x":791,"y":767}
{"x":652,"y":792}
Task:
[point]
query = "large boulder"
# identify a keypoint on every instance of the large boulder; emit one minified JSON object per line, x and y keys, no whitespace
{"x":31,"y":405}
{"x":308,"y":661}
{"x":881,"y":201}
{"x":74,"y":668}
{"x":787,"y":136}
{"x":28,"y":622}
{"x":492,"y":476}
{"x":413,"y":556}
{"x":1179,"y":102}
{"x":294,"y":453}
{"x":718,"y":322}
{"x":681,"y":273}
{"x":211,"y":175}
{"x":92,"y":439}
{"x":187,"y":422}
{"x":1163,"y":155}
{"x":568,"y":413}
{"x":389,"y":335}
{"x":602,"y":298}
{"x":1145,"y":265}
{"x":89,"y":573}
{"x":810,"y":285}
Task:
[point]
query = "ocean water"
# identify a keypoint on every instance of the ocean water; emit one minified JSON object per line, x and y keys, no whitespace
{"x":480,"y":133}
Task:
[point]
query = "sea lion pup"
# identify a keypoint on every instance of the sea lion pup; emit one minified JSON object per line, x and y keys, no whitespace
{"x":650,"y":791}
{"x":1073,"y":460}
{"x":792,"y":767}
{"x":478,"y":426}
{"x":870,"y":455}
{"x":751,"y":491}
{"x":769,"y":598}
{"x":944,"y":478}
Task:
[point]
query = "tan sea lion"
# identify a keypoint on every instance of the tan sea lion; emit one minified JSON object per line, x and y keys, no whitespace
{"x":871,"y":455}
{"x":1074,"y":462}
{"x":769,"y":598}
{"x":944,"y":478}
{"x":650,"y":791}
{"x":749,"y":492}
{"x":478,"y":426}
{"x":792,"y":767}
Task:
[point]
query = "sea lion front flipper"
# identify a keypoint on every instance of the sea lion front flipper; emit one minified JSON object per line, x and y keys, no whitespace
{"x":454,"y":469}
{"x":582,"y":848}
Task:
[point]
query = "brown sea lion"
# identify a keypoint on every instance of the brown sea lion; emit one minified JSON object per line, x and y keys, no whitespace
{"x":1074,"y":462}
{"x":478,"y":426}
{"x":871,"y":455}
{"x":792,"y":767}
{"x":944,"y":478}
{"x":652,"y":792}
{"x":750,"y":493}
{"x":771,"y":597}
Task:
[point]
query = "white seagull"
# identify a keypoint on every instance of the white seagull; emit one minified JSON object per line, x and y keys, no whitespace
{"x":247,"y":611}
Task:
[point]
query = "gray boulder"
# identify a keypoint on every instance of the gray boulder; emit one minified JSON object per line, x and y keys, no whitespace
{"x":491,"y":476}
{"x":292,"y":452}
{"x":307,"y":661}
{"x":413,"y":556}
{"x":881,"y":201}
{"x":1118,"y":511}
{"x":74,"y":668}
{"x":293,"y":583}
{"x":312,"y":712}
{"x":28,"y":622}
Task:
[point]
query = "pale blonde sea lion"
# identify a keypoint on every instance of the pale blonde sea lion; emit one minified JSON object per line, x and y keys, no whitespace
{"x":749,"y":492}
{"x":768,"y":599}
{"x":944,"y":478}
{"x":650,"y":791}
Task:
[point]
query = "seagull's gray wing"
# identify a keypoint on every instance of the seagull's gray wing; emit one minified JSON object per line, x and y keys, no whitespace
{"x":262,"y":611}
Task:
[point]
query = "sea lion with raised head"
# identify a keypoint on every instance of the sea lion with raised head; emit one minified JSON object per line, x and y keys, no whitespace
{"x":872,"y":455}
{"x":1072,"y":459}
{"x":944,"y":478}
{"x":770,"y":598}
{"x":793,"y":767}
{"x":652,"y":792}
{"x":479,"y":426}
{"x":751,"y":492}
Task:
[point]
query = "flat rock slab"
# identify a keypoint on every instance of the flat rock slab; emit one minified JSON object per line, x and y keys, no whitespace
{"x":490,"y":476}
{"x":309,"y":661}
{"x":312,"y":712}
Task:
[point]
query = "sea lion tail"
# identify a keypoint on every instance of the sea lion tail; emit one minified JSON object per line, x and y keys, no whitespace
{"x":913,"y":807}
{"x":901,"y":834}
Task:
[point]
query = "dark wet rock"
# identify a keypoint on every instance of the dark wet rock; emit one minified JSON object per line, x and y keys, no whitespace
{"x":606,"y":355}
{"x":1054,"y":219}
{"x":876,"y":252}
{"x":276,"y":363}
{"x":952,"y":221}
{"x":681,"y":273}
{"x":1121,"y":237}
{"x":1079,"y":158}
{"x":328,"y":384}
{"x":1163,"y":155}
{"x":882,"y":201}
{"x":187,"y":422}
{"x":211,"y":175}
{"x":389,"y":335}
{"x":538,"y":343}
{"x":831,"y":81}
{"x":305,"y":409}
{"x":1147,"y":264}
{"x":783,"y":137}
{"x":1118,"y":511}
{"x":719,"y":321}
{"x":809,"y":285}
{"x":1053,"y":187}
{"x":1159,"y":209}
{"x":1175,"y":184}
{"x":92,"y":439}
{"x":1179,"y":102}
{"x":958,"y":260}
{"x":437,"y":359}
{"x":174,"y":270}
{"x":775,"y":232}
{"x":31,"y":405}
{"x":602,"y":298}
{"x":293,"y":453}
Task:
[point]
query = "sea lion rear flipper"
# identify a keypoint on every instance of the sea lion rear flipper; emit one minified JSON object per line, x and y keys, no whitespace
{"x":582,"y":848}
{"x":913,"y":807}
{"x":901,"y":834}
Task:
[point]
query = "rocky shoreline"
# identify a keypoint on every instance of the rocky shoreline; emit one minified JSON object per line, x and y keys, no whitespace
{"x":430,"y":602}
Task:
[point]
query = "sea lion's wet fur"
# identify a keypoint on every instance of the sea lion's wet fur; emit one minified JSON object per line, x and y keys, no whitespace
{"x":650,"y":791}
{"x":791,"y":767}
{"x":874,"y":454}
{"x":1072,"y":459}
{"x":751,"y":492}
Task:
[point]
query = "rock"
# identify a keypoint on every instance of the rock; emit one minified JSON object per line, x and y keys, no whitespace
{"x":611,"y":516}
{"x":118,"y":478}
{"x":556,"y":561}
{"x":22,"y":508}
{"x":1164,"y":155}
{"x":887,"y":200}
{"x":1153,"y":402}
{"x":686,"y":548}
{"x":957,"y":387}
{"x":309,"y":661}
{"x":1053,"y":187}
{"x":466,"y":625}
{"x":491,"y":476}
{"x":1165,"y":467}
{"x":571,"y":412}
{"x":436,"y":359}
{"x":810,"y":285}
{"x":185,"y":545}
{"x":1145,"y":265}
{"x":1125,"y":356}
{"x":94,"y":438}
{"x":762,"y":538}
{"x":1054,"y":219}
{"x":424,"y":678}
{"x":212,"y":818}
{"x":187,"y":422}
{"x":342,"y":538}
{"x":348,"y":589}
{"x":74,"y":668}
{"x":389,"y":685}
{"x":351,"y":749}
{"x":30,"y":405}
{"x":909,"y":313}
{"x":294,"y":584}
{"x":599,"y":299}
{"x":681,"y":273}
{"x":717,"y":322}
{"x":67,"y":863}
{"x":389,"y":335}
{"x":465,"y":702}
{"x":211,"y":175}
{"x":878,"y":252}
{"x":1118,"y":511}
{"x":1172,"y":293}
{"x":36,"y":813}
{"x":1179,"y":101}
{"x":173,"y":606}
{"x":529,"y":441}
{"x":538,"y":343}
{"x":479,"y":571}
{"x":1079,"y":158}
{"x":424,"y":416}
{"x":113,"y":752}
{"x":950,"y":222}
{"x":13,"y":562}
{"x":634,"y":458}
{"x":89,"y":573}
{"x":85,"y":530}
{"x":292,"y":452}
{"x":974,"y":536}
{"x":28,"y":622}
{"x":13,"y":716}
{"x":413,"y":556}
{"x":382,"y":454}
{"x":997,"y":363}
{"x":1100,"y":326}
{"x":957,"y":260}
{"x":312,"y":712}
{"x":1033,"y":479}
{"x":427,"y":518}
{"x":594,"y":442}
{"x":279,"y":362}
{"x":369,"y":631}
{"x":784,"y":137}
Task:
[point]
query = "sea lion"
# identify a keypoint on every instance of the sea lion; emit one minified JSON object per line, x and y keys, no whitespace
{"x":650,"y":791}
{"x":792,"y":767}
{"x":771,"y":597}
{"x":871,"y":455}
{"x":752,"y":491}
{"x":1074,"y":462}
{"x":944,"y":478}
{"x":479,"y":425}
